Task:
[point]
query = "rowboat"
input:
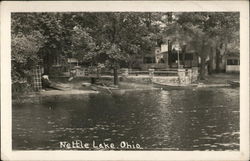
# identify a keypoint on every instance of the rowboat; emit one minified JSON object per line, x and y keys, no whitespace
{"x":234,"y":83}
{"x":173,"y":86}
{"x":103,"y":88}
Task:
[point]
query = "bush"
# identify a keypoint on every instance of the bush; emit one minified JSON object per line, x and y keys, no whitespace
{"x":24,"y":57}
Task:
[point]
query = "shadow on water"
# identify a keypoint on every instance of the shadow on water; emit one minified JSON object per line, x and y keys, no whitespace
{"x":193,"y":119}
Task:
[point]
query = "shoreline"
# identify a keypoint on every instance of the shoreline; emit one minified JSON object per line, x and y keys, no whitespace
{"x":76,"y":88}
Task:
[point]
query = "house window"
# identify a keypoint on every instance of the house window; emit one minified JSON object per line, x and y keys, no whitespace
{"x":149,"y":60}
{"x":232,"y":62}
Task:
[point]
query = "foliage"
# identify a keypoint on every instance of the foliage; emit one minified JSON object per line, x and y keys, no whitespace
{"x":24,"y":54}
{"x":118,"y":37}
{"x":83,"y":44}
{"x":208,"y":30}
{"x":114,"y":38}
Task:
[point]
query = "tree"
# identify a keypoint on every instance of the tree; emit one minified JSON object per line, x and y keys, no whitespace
{"x":210,"y":29}
{"x":223,"y":29}
{"x":115,"y":38}
{"x":118,"y":37}
{"x":25,"y":44}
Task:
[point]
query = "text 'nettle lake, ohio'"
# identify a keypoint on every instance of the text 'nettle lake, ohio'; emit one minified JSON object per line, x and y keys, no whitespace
{"x":79,"y":144}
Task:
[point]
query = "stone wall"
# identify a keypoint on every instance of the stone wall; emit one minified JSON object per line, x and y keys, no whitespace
{"x":138,"y":79}
{"x":195,"y":74}
{"x":166,"y":80}
{"x":184,"y":77}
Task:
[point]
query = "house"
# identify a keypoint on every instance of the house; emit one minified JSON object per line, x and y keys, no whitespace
{"x":232,"y":62}
{"x":73,"y":61}
{"x":166,"y":56}
{"x":155,"y":60}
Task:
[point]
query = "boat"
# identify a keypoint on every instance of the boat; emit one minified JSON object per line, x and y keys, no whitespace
{"x":58,"y":86}
{"x":104,"y":88}
{"x":173,"y":86}
{"x":216,"y":85}
{"x":234,"y":83}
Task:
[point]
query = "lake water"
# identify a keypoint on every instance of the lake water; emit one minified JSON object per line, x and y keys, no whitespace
{"x":191,"y":119}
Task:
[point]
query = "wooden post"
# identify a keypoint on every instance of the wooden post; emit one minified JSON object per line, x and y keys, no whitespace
{"x":203,"y":61}
{"x":178,"y":59}
{"x":115,"y":73}
{"x":115,"y":76}
{"x":169,"y":53}
{"x":183,"y":55}
{"x":37,"y":78}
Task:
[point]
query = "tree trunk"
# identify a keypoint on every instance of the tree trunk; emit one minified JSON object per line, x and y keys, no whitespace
{"x":213,"y":59}
{"x":217,"y":60}
{"x":114,"y":39}
{"x":115,"y":76}
{"x":46,"y":63}
{"x":130,"y":62}
{"x":203,"y":59}
{"x":169,"y":54}
{"x":210,"y":63}
{"x":220,"y":52}
{"x":183,"y":56}
{"x":209,"y":67}
{"x":129,"y":65}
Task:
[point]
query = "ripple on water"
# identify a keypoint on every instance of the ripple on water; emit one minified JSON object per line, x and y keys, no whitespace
{"x":51,"y":131}
{"x":235,"y":133}
{"x":50,"y":122}
{"x":218,"y":135}
{"x":196,"y":140}
{"x":227,"y":144}
{"x":120,"y":134}
{"x":208,"y":138}
{"x":108,"y":139}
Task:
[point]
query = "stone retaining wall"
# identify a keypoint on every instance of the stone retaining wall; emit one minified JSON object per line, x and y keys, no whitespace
{"x":166,"y":80}
{"x":138,"y":79}
{"x":185,"y":77}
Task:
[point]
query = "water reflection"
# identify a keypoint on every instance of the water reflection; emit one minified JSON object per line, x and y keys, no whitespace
{"x":200,"y":119}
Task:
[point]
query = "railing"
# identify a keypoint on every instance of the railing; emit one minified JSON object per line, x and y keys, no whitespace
{"x":128,"y":72}
{"x":166,"y":72}
{"x":138,"y":72}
